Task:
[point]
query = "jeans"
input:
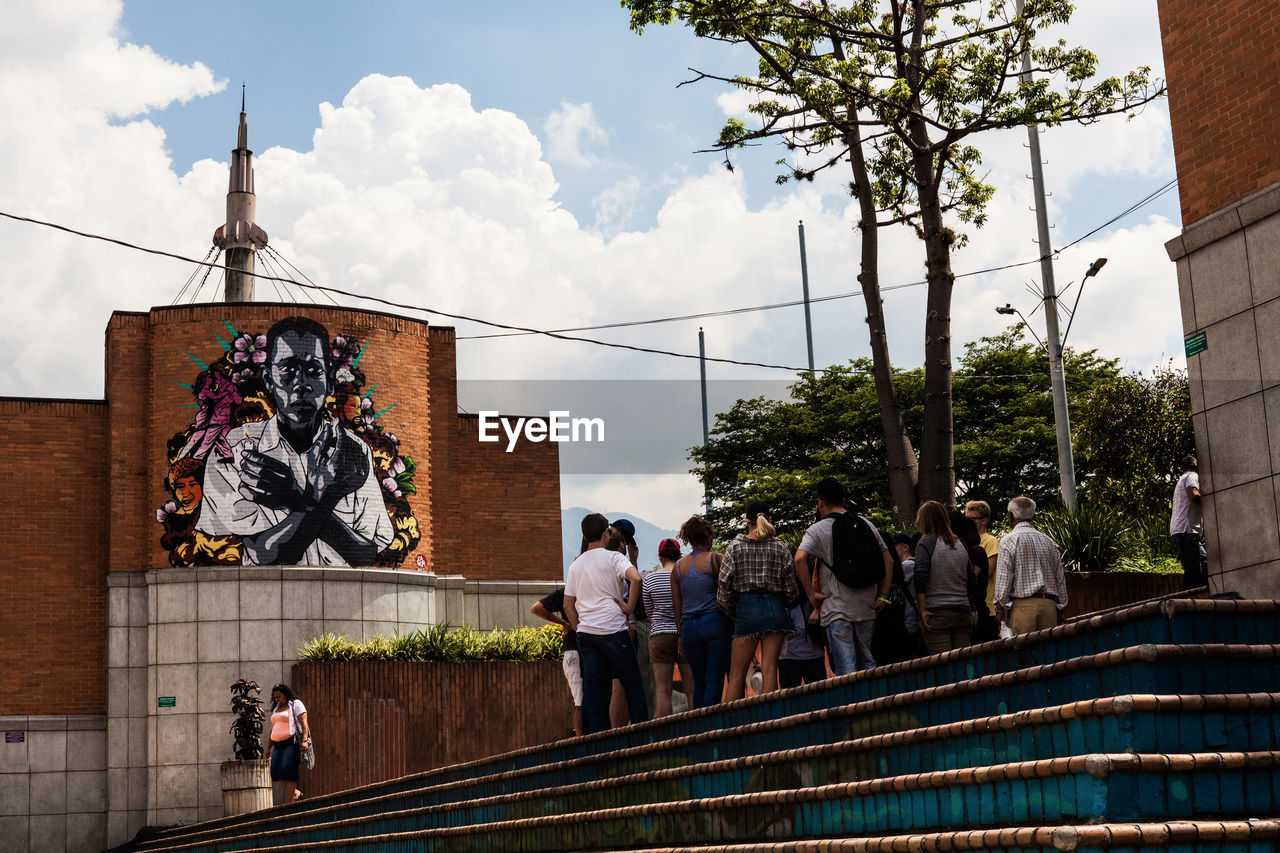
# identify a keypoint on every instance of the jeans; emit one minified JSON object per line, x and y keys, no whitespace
{"x":1195,"y":563}
{"x":849,"y":644}
{"x":605,"y":657}
{"x":706,"y":638}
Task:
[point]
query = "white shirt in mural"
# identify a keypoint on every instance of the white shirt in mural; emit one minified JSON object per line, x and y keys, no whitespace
{"x":226,"y":511}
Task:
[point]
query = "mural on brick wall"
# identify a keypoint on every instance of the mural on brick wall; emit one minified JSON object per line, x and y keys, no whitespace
{"x":287,"y":462}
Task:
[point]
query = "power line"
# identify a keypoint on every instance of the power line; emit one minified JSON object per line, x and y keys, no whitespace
{"x":1150,"y":197}
{"x":560,"y":335}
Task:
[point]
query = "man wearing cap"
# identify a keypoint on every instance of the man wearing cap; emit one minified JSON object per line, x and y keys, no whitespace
{"x":593,"y":603}
{"x":911,"y":612}
{"x":639,"y":620}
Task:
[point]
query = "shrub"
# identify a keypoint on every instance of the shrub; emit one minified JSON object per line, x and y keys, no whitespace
{"x":247,"y":726}
{"x":440,"y":643}
{"x":1092,"y":539}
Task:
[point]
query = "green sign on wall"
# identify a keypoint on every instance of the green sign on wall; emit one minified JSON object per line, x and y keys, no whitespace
{"x":1196,"y":343}
{"x":168,"y":702}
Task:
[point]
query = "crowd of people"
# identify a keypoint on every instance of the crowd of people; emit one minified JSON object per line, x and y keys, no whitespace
{"x":850,"y":595}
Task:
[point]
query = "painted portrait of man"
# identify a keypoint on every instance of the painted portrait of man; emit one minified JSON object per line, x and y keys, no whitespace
{"x":299,"y":488}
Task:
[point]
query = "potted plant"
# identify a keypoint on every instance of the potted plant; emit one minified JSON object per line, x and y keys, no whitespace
{"x":246,"y":781}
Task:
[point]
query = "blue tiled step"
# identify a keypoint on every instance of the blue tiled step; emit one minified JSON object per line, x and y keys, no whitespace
{"x":1237,"y":722}
{"x":1144,"y":669}
{"x":1258,"y":835}
{"x":1084,"y":789}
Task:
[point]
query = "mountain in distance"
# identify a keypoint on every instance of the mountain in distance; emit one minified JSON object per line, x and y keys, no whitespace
{"x":647,"y":535}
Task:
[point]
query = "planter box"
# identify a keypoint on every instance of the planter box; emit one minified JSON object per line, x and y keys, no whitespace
{"x":246,"y":786}
{"x":373,"y":721}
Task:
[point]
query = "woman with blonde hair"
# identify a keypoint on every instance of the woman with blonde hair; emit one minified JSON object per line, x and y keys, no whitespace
{"x":941,"y":580}
{"x":757,"y":582}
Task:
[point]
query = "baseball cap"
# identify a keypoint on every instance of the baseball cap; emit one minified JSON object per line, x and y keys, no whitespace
{"x":627,"y":529}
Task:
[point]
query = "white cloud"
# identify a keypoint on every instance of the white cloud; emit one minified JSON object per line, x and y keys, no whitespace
{"x":572,"y":131}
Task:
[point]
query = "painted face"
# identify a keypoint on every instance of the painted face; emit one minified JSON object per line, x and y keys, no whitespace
{"x":296,"y":377}
{"x":188,"y":492}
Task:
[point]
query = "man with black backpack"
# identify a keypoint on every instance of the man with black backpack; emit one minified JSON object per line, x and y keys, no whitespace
{"x":855,"y":572}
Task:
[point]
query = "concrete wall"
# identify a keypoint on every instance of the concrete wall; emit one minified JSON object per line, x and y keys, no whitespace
{"x":1229,"y":284}
{"x":53,"y":783}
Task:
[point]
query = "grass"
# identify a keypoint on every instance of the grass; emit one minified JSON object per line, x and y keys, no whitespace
{"x":442,"y":643}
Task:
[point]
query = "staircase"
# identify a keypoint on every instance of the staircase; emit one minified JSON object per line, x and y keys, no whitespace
{"x":1155,"y":727}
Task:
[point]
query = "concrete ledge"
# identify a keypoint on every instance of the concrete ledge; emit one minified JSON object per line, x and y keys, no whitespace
{"x":1225,"y":222}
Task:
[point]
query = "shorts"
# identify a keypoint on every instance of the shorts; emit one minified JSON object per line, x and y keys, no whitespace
{"x":759,"y":612}
{"x":572,"y":667}
{"x":664,"y":649}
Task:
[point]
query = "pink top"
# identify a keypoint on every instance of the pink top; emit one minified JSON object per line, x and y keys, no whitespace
{"x":280,"y":725}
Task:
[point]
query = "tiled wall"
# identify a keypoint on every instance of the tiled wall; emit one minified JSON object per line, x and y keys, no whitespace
{"x":1229,"y":284}
{"x":53,"y":784}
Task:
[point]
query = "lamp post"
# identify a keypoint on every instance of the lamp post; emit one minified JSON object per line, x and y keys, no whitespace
{"x":1053,"y":345}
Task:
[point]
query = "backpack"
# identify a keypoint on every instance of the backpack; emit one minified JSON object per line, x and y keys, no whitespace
{"x":856,"y":559}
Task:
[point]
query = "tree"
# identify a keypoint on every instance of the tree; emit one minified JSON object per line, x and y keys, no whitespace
{"x":1005,"y":445}
{"x":1135,"y":474}
{"x":896,"y":88}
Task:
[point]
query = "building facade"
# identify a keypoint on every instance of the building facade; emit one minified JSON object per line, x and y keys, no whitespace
{"x":254,"y":476}
{"x":1223,"y":70}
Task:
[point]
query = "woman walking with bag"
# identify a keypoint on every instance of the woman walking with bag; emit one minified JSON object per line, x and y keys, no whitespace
{"x":290,"y":737}
{"x":757,"y":582}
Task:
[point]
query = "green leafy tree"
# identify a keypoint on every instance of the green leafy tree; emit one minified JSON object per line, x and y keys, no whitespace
{"x":1135,"y":474}
{"x":897,"y":89}
{"x":777,"y":450}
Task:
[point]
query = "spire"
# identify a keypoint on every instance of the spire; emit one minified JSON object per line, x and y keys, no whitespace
{"x":240,"y":236}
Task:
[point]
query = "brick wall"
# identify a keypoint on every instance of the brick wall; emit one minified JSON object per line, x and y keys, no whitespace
{"x":1222,"y":62}
{"x":510,"y":508}
{"x":53,"y":556}
{"x":395,"y":360}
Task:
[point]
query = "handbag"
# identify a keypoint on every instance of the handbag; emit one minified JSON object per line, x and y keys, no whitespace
{"x":308,"y":755}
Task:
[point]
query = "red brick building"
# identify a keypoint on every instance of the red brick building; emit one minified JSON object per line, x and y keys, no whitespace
{"x":1222,"y":61}
{"x":131,"y":606}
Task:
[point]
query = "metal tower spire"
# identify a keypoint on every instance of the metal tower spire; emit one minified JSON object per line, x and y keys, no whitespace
{"x":240,"y":236}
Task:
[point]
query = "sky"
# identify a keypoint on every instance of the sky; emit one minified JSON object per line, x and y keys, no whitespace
{"x":524,"y":162}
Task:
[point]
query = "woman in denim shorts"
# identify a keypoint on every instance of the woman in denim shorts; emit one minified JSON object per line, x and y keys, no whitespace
{"x":757,"y":582}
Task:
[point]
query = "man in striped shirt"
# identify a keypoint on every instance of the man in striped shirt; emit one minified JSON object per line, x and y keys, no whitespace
{"x":1031,"y":590}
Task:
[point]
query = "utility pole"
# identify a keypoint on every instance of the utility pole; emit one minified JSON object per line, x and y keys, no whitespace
{"x":1053,"y":342}
{"x":706,"y":432}
{"x":804,"y":279}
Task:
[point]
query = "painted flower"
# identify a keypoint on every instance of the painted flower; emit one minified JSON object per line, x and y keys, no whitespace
{"x":344,"y":374}
{"x":249,"y":348}
{"x":397,"y":467}
{"x":391,"y":437}
{"x":242,"y":376}
{"x":163,"y":513}
{"x":392,"y":487}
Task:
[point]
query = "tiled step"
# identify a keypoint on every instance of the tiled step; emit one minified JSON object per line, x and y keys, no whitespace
{"x":1175,"y":621}
{"x":1084,"y":789}
{"x":1146,"y":669}
{"x":1259,"y":835}
{"x":1236,"y":722}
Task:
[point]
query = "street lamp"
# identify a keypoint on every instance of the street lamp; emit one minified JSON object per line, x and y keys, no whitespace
{"x":1052,"y":345}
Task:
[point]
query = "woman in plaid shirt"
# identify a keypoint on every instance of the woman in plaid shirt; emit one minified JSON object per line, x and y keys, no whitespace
{"x":757,"y":581}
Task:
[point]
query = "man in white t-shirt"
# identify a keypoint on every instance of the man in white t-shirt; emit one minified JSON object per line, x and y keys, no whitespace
{"x":1185,"y":526}
{"x":593,"y":602}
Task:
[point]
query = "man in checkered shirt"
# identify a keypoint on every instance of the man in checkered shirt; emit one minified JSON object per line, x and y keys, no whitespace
{"x":1031,"y":590}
